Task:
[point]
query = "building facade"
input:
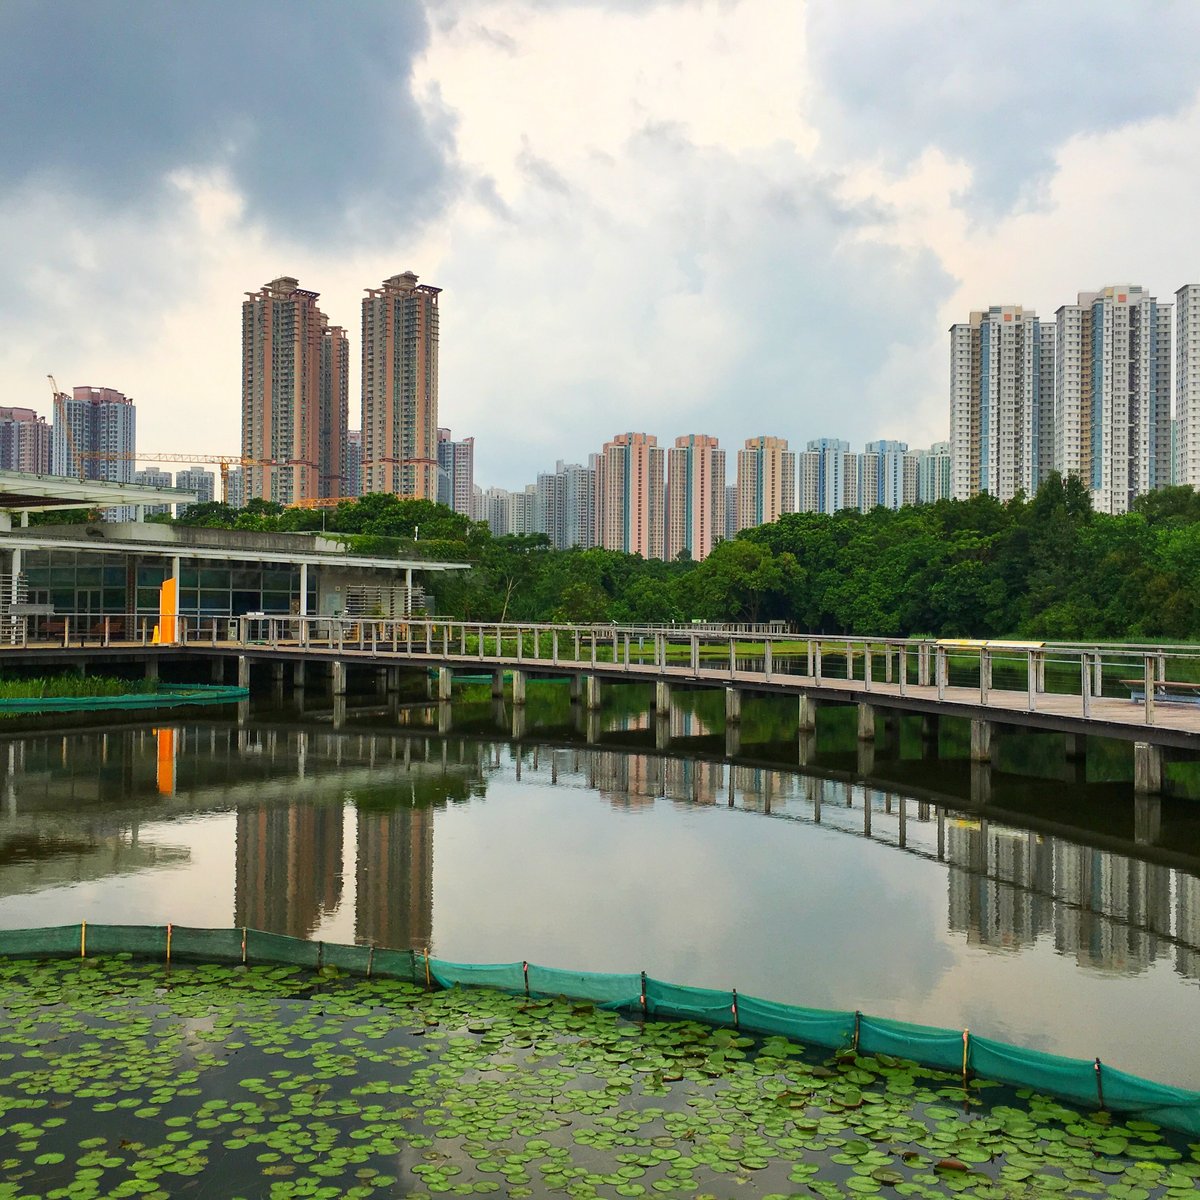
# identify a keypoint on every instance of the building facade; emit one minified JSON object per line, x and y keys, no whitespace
{"x":198,"y":480}
{"x":630,"y":496}
{"x":1113,"y":394}
{"x":695,"y":496}
{"x":1187,"y":386}
{"x":353,"y":470}
{"x":24,"y":441}
{"x":283,"y":334}
{"x":766,"y":481}
{"x":334,"y":410}
{"x":154,"y":477}
{"x":456,"y":472}
{"x":933,"y":473}
{"x":400,"y":387}
{"x":998,"y":378}
{"x":828,"y":476}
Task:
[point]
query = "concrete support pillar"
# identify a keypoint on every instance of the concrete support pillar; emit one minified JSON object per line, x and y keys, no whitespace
{"x":866,"y":756}
{"x":866,"y":722}
{"x":243,"y":671}
{"x":591,"y":693}
{"x":576,"y":688}
{"x":733,"y":706}
{"x":981,"y":741}
{"x":218,"y":670}
{"x":806,"y":720}
{"x":445,"y":685}
{"x":592,"y":725}
{"x":1147,"y":769}
{"x":298,"y":675}
{"x":981,"y":783}
{"x":339,"y":708}
{"x":930,"y":727}
{"x":497,"y":683}
{"x":519,"y":718}
{"x":733,"y":740}
{"x":518,"y":688}
{"x":338,"y":678}
{"x":806,"y":749}
{"x":243,"y":717}
{"x":662,"y":731}
{"x":662,"y":697}
{"x":277,"y":673}
{"x":1147,"y":820}
{"x":1075,"y":745}
{"x":304,"y":589}
{"x":393,"y":679}
{"x":445,"y":716}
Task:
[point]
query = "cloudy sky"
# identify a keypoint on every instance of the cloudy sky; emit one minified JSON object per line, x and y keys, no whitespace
{"x":735,"y":217}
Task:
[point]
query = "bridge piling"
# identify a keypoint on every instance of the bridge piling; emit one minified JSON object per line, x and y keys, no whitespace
{"x":866,"y":722}
{"x":298,"y":675}
{"x":591,"y":693}
{"x":445,"y":686}
{"x":518,"y":688}
{"x":733,"y":706}
{"x":338,"y":677}
{"x":806,"y":720}
{"x":981,"y":741}
{"x":1147,"y":769}
{"x":662,"y":697}
{"x":1147,"y":820}
{"x":218,"y":670}
{"x":243,"y":671}
{"x":497,"y":685}
{"x":806,"y":748}
{"x":152,"y":668}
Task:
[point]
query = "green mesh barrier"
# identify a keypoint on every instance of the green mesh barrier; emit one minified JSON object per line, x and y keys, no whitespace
{"x":145,"y":941}
{"x":941,"y":1048}
{"x":1164,"y":1105}
{"x":505,"y":977}
{"x":398,"y":964}
{"x":688,"y":1003}
{"x":277,"y":948}
{"x":61,"y":941}
{"x":1079,"y":1081}
{"x":604,"y":990}
{"x":206,"y":945}
{"x":1071,"y":1078}
{"x":815,"y":1025}
{"x":356,"y":960}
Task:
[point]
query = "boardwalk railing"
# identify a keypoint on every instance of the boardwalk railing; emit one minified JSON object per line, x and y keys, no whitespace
{"x":1066,"y":678}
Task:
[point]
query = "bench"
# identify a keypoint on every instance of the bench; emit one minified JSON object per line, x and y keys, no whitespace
{"x":1165,"y":691}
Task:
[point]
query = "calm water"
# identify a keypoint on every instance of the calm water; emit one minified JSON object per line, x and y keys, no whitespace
{"x":1042,"y":908}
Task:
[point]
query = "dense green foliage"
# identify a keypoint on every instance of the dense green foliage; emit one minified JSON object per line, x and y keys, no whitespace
{"x":73,"y":685}
{"x":1049,"y":567}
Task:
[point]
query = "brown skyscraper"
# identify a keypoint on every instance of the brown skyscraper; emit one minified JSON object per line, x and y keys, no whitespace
{"x":283,"y":333}
{"x":400,"y":387}
{"x":334,"y":402}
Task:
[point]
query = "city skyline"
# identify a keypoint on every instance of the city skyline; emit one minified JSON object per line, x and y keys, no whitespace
{"x":750,"y":222}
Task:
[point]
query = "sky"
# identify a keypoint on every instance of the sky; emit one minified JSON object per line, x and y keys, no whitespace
{"x":734,"y":217}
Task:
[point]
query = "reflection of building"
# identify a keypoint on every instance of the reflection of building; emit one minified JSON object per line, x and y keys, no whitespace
{"x":1187,"y":925}
{"x":289,"y":866}
{"x":1114,"y":908}
{"x":1001,"y":884}
{"x":626,"y":780}
{"x":394,"y":878}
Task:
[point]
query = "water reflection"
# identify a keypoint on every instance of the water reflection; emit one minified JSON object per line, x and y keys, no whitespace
{"x":406,"y":838}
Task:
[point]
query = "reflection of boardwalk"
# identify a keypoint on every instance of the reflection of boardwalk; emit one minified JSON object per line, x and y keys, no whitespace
{"x":289,"y":867}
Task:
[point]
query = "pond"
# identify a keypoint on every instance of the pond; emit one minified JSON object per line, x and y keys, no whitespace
{"x":1043,"y":916}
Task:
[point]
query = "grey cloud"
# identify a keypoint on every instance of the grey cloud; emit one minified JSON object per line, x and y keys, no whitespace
{"x":1001,"y":86}
{"x":308,"y":106}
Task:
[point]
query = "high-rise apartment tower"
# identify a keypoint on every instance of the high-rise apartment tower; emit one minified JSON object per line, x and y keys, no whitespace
{"x":766,"y":481}
{"x":695,"y":496}
{"x":630,"y":495}
{"x":400,"y":387}
{"x":1187,"y":385}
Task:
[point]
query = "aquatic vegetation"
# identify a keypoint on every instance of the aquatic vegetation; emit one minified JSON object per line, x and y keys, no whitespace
{"x":131,"y":1079}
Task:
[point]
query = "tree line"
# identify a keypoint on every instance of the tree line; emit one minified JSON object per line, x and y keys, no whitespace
{"x":1042,"y":567}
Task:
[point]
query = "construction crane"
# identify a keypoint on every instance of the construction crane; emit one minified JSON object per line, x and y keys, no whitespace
{"x":60,"y":420}
{"x":223,"y":461}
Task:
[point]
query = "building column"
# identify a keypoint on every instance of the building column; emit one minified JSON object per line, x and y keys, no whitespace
{"x":408,"y":593}
{"x":733,"y":706}
{"x":866,"y":722}
{"x":176,"y":575}
{"x":806,"y":720}
{"x":981,"y":741}
{"x":1147,"y":769}
{"x":518,"y":688}
{"x":445,"y":683}
{"x":304,"y":589}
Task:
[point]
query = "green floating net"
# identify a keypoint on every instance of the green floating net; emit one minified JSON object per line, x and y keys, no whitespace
{"x":1084,"y":1082}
